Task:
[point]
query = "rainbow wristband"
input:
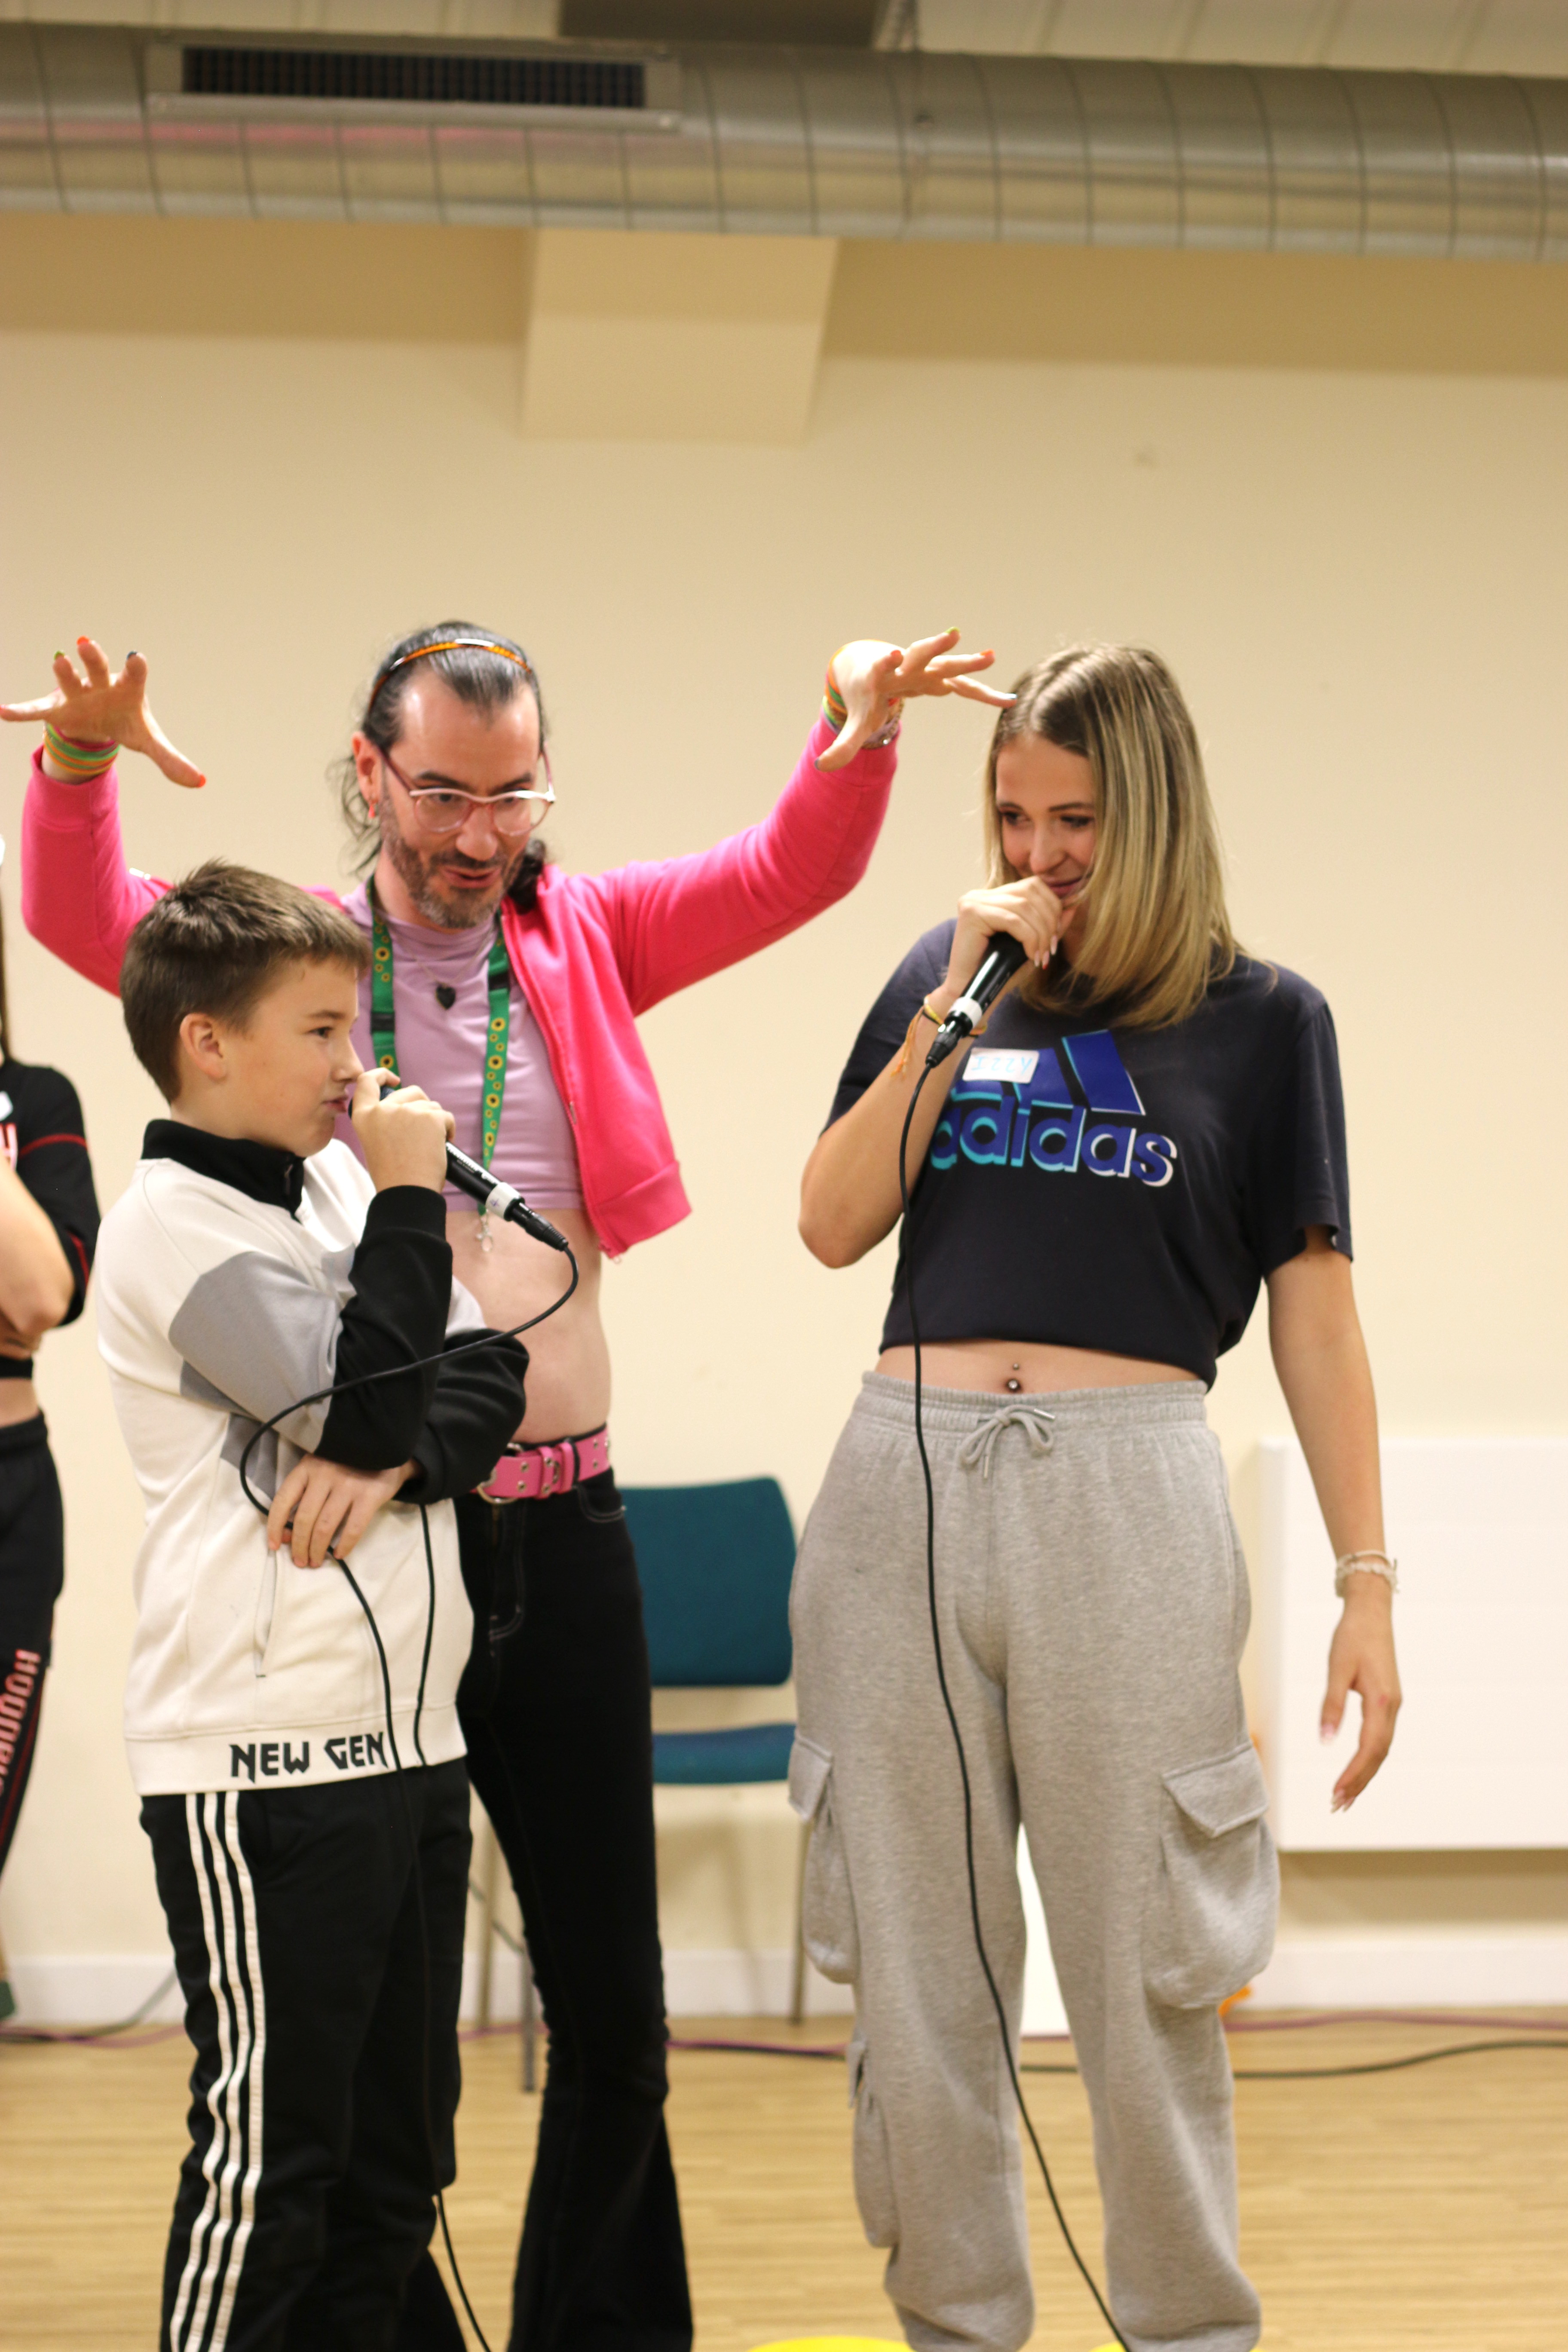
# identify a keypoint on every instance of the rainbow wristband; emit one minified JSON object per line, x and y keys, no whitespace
{"x":81,"y":761}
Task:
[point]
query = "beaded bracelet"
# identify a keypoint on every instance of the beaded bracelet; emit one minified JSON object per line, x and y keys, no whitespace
{"x":839,"y":720}
{"x":835,"y":710}
{"x":1369,"y":1563}
{"x":81,"y":761}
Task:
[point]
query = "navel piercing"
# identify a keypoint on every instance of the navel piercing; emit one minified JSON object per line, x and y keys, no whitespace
{"x":1014,"y":1388}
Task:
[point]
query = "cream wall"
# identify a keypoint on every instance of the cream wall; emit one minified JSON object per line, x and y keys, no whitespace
{"x":1304,"y":484}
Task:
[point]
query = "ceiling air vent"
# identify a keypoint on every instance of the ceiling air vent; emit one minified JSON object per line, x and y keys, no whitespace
{"x":390,"y":78}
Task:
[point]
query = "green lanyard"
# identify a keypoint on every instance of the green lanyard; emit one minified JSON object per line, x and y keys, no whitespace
{"x":382,"y":1021}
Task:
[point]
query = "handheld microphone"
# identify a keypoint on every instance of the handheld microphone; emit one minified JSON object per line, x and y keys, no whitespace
{"x":500,"y":1200}
{"x":1002,"y":956}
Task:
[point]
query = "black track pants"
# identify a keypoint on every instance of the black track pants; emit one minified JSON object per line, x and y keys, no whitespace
{"x":556,"y":1713}
{"x":21,"y":1697}
{"x":32,"y":1558}
{"x":305,"y":2199}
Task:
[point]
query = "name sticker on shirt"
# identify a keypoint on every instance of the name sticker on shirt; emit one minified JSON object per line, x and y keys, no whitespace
{"x":993,"y":1063}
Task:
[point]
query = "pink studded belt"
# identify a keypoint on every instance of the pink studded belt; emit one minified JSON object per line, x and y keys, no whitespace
{"x":528,"y":1473}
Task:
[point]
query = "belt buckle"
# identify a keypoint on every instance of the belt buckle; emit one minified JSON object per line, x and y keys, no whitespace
{"x":508,"y":1452}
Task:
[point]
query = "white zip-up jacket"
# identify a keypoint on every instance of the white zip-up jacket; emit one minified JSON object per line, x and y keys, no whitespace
{"x":232,"y":1279}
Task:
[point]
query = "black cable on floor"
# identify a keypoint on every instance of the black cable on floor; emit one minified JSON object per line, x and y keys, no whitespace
{"x":1366,"y":2066}
{"x":1238,"y":2074}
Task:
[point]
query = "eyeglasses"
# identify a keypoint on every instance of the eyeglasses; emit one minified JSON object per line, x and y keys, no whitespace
{"x":443,"y":809}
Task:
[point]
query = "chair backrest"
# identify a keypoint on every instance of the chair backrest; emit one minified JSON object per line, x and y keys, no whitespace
{"x":715,"y":1563}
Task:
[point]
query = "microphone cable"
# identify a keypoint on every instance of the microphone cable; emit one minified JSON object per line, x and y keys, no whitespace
{"x":906,"y":1261}
{"x":317,"y":1396}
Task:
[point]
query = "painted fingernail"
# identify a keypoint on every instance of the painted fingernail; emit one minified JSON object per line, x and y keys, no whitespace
{"x":59,"y":653}
{"x":133,"y":655}
{"x":84,"y":640}
{"x":1326,"y":1733}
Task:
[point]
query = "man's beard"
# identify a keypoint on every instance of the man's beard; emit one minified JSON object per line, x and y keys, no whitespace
{"x":416,"y":874}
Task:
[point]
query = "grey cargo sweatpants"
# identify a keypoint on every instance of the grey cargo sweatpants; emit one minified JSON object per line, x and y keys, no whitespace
{"x":1093,"y":1602}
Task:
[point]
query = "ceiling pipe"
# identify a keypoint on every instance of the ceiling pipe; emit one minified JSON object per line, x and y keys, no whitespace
{"x":820,"y":143}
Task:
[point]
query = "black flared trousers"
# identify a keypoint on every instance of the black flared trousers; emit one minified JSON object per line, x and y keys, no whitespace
{"x":556,"y":1712}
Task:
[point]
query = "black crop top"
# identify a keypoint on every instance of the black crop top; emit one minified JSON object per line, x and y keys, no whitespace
{"x":1124,"y":1189}
{"x":41,"y":1136}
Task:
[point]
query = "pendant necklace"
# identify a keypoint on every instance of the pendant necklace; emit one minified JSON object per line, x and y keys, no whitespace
{"x":446,"y":994}
{"x":384,"y":1034}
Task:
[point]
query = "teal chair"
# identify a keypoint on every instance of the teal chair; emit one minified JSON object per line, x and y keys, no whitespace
{"x":715,"y":1564}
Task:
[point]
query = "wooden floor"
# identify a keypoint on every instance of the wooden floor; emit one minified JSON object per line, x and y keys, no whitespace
{"x":1428,"y":2209}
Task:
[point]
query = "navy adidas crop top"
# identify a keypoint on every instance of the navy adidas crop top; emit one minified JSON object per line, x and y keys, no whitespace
{"x":1125,"y":1190}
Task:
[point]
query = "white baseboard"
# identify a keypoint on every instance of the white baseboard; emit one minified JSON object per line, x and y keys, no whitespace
{"x":746,"y":1984}
{"x":696,"y":1984}
{"x":1452,"y":1970}
{"x":100,"y":1990}
{"x":1447,"y":1970}
{"x":93,"y":1989}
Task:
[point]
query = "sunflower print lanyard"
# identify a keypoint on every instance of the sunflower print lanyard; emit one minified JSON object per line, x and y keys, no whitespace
{"x":384,"y":1032}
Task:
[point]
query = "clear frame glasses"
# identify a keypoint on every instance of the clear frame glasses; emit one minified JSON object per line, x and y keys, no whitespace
{"x":445,"y":809}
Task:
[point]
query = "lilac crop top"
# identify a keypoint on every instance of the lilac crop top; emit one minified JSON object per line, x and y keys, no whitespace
{"x":443,"y":1050}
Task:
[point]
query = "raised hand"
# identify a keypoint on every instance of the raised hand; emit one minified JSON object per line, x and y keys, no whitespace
{"x":105,"y":706}
{"x":874,"y":678}
{"x":1029,"y":909}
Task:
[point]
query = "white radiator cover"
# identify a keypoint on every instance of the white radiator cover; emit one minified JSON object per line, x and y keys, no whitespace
{"x":1479,"y":1526}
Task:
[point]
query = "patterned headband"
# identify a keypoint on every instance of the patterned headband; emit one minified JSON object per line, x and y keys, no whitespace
{"x":452,"y":646}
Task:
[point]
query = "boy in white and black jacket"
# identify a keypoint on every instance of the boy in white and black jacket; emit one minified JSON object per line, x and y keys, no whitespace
{"x":253,"y":1262}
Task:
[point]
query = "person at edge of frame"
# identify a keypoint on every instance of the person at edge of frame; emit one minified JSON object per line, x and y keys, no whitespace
{"x":510,"y":991}
{"x":1151,"y":1130}
{"x":49,"y":1231}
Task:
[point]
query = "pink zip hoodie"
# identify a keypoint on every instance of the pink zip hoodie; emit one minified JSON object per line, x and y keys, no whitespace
{"x":596,"y":951}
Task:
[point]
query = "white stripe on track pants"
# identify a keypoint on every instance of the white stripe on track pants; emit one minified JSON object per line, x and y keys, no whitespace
{"x":305,"y":2199}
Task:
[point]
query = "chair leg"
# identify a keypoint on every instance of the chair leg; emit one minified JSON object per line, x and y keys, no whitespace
{"x":529,"y":2028}
{"x":489,"y":1879}
{"x":797,"y":1989}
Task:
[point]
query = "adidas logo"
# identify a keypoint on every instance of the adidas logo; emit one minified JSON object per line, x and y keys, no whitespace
{"x":1019,"y":1109}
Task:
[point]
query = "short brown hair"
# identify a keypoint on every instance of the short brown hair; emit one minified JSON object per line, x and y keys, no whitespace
{"x":1157,"y":931}
{"x":214,"y":943}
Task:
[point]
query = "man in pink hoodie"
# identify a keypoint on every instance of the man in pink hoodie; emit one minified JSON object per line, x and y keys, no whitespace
{"x":510,"y":992}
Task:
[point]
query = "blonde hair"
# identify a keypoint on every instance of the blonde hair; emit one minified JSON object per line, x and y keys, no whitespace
{"x":1155,"y":928}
